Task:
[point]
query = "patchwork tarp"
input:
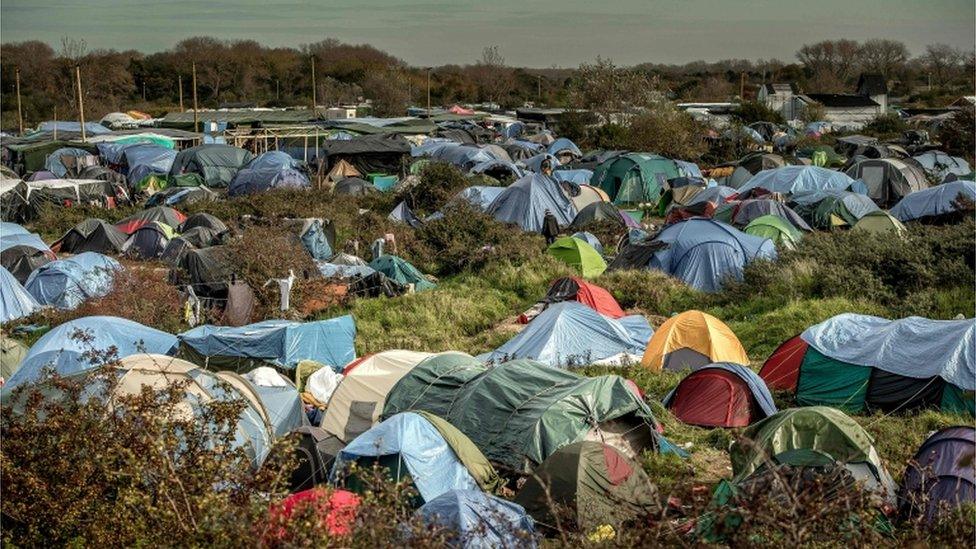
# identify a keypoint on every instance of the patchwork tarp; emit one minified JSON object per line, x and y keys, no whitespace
{"x":66,"y":283}
{"x":67,"y":348}
{"x":794,"y":179}
{"x":15,"y":301}
{"x":279,"y":343}
{"x":480,"y":520}
{"x":525,"y":202}
{"x":934,"y":201}
{"x":570,"y":333}
{"x":912,"y":347}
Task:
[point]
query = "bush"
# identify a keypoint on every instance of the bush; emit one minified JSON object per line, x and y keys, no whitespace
{"x":886,"y":126}
{"x":754,"y":111}
{"x":663,"y":129}
{"x":439,"y":182}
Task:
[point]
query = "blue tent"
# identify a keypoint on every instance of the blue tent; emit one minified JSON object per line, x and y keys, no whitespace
{"x":703,"y":252}
{"x":15,"y":301}
{"x":54,"y":165}
{"x":422,"y":451}
{"x":479,"y":196}
{"x":717,"y":195}
{"x":534,"y":164}
{"x":564,"y":146}
{"x":315,"y":240}
{"x":280,"y":343}
{"x":144,"y":159}
{"x":31,"y":240}
{"x":756,"y":384}
{"x":480,"y":520}
{"x":91,"y":128}
{"x":68,"y":348}
{"x":590,"y":239}
{"x":512,"y":130}
{"x":934,"y":201}
{"x":8,"y":229}
{"x":580,"y":176}
{"x":66,"y":283}
{"x":525,"y":202}
{"x":689,"y":169}
{"x":464,"y":157}
{"x":794,"y":179}
{"x":570,"y":333}
{"x":249,"y":181}
{"x":941,"y":164}
{"x":496,"y":165}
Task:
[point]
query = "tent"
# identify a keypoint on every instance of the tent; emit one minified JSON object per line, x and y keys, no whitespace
{"x":67,"y":283}
{"x":12,"y":353}
{"x":724,"y":394}
{"x":478,"y":196}
{"x":401,"y":271}
{"x":479,"y":520}
{"x":593,"y":482}
{"x":498,"y":169}
{"x":581,"y":195}
{"x":334,"y":512}
{"x":579,"y":254}
{"x":572,"y":334}
{"x":162,"y":214}
{"x":404,"y":215}
{"x":600,"y":211}
{"x":270,"y":170}
{"x":692,"y":339}
{"x":937,"y":204}
{"x":67,"y":348}
{"x":534,"y":163}
{"x":831,"y":209}
{"x":525,"y":202}
{"x":634,"y":177}
{"x":742,"y":213}
{"x":23,"y":253}
{"x":889,"y":179}
{"x":148,"y":241}
{"x":217,"y":163}
{"x":575,"y":176}
{"x":589,"y":294}
{"x":565,"y":150}
{"x":353,"y":186}
{"x":175,"y":196}
{"x":881,"y":223}
{"x":15,"y":301}
{"x":520,"y":412}
{"x":278,"y":343}
{"x":794,"y":179}
{"x":422,"y":448}
{"x":357,"y":402}
{"x":380,"y":153}
{"x":938,"y":479}
{"x":69,"y":161}
{"x":9,"y":229}
{"x":209,"y":269}
{"x":939,"y":164}
{"x":145,"y":159}
{"x":590,"y":239}
{"x":91,"y":235}
{"x":203,"y":219}
{"x":859,"y":362}
{"x":703,"y":253}
{"x":775,"y":228}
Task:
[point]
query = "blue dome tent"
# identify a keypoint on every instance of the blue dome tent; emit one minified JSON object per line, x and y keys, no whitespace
{"x":66,"y":283}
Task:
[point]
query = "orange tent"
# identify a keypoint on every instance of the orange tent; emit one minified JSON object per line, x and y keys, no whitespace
{"x":692,"y":339}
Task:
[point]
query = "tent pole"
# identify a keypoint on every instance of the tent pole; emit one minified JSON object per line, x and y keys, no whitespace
{"x":20,"y":114}
{"x":196,"y":115}
{"x":81,"y":103}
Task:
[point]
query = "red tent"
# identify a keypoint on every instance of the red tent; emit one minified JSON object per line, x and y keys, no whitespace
{"x":782,"y":369}
{"x":713,"y":398}
{"x":163,"y":214}
{"x":336,"y":510}
{"x":572,"y":288}
{"x":458,"y":109}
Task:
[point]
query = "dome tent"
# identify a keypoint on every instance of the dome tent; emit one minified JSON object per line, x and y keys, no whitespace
{"x":936,"y":204}
{"x":889,"y":179}
{"x":203,"y":219}
{"x":23,"y":253}
{"x":525,"y":202}
{"x":744,"y":212}
{"x":794,"y":179}
{"x":67,"y":283}
{"x":401,"y":271}
{"x":591,"y":295}
{"x":881,"y":223}
{"x":270,"y":170}
{"x":148,"y":241}
{"x":480,"y":520}
{"x":723,"y":394}
{"x":831,"y":209}
{"x":634,"y":177}
{"x":12,"y":353}
{"x":91,"y":235}
{"x":217,"y":163}
{"x":937,"y":480}
{"x":692,"y":339}
{"x":599,"y":211}
{"x":775,"y":228}
{"x":15,"y":301}
{"x":162,"y":214}
{"x":579,"y":254}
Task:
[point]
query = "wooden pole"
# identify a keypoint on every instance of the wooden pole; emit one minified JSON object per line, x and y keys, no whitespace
{"x":196,"y":119}
{"x":742,"y":86}
{"x":20,"y":113}
{"x":81,"y":103}
{"x":428,"y":93}
{"x":55,"y":122}
{"x":179,"y":84}
{"x":313,"y":84}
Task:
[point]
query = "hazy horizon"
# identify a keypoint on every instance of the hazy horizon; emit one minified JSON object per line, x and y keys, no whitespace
{"x":531,"y":34}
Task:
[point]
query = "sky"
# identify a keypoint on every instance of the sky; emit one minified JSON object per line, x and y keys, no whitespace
{"x":529,"y":33}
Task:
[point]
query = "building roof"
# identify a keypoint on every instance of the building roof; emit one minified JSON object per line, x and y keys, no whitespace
{"x":780,"y":87}
{"x":964,"y":101}
{"x":872,"y":84}
{"x":834,"y":100}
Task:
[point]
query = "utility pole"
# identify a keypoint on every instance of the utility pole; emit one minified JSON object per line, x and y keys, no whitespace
{"x":55,"y":122}
{"x":742,"y":86}
{"x":277,"y":90}
{"x":20,"y":113}
{"x":143,"y":90}
{"x":81,"y":103}
{"x":196,"y":115}
{"x":428,"y":91}
{"x":179,"y":79}
{"x":313,"y":83}
{"x":539,"y":89}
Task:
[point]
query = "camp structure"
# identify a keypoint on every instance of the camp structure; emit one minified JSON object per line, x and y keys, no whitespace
{"x":525,"y":202}
{"x":938,"y":480}
{"x":203,"y":219}
{"x":143,"y":160}
{"x":379,"y":153}
{"x":940,"y":165}
{"x":15,"y":301}
{"x":67,"y":193}
{"x":601,"y":211}
{"x":421,"y":448}
{"x":704,"y":253}
{"x":176,"y":196}
{"x":12,"y":353}
{"x":692,"y":339}
{"x":148,"y":241}
{"x":827,"y":210}
{"x":572,"y":334}
{"x":67,"y":283}
{"x":91,"y":235}
{"x":520,"y":412}
{"x":208,"y":270}
{"x":277,"y":343}
{"x":479,"y":520}
{"x":591,"y":482}
{"x":69,"y":161}
{"x":271,"y":170}
{"x":945,"y":203}
{"x":793,"y":179}
{"x":22,"y":253}
{"x":881,"y":223}
{"x":154,"y":184}
{"x":775,"y":228}
{"x":478,"y":196}
{"x":889,"y":179}
{"x":356,"y":404}
{"x":723,"y":394}
{"x":401,"y":271}
{"x":67,"y":348}
{"x":564,"y":150}
{"x":578,"y":254}
{"x":576,"y":289}
{"x":354,"y":186}
{"x":857,"y":362}
{"x":162,"y":214}
{"x":741,"y":213}
{"x":216,"y":163}
{"x":633,"y":178}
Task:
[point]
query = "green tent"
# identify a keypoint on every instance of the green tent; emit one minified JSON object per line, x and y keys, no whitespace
{"x":448,"y":372}
{"x":881,"y":223}
{"x":592,"y":481}
{"x":776,"y":229}
{"x":400,"y":270}
{"x":12,"y":353}
{"x":580,"y":255}
{"x":635,"y":177}
{"x":157,"y":182}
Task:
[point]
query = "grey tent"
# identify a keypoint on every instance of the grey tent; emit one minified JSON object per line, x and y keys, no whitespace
{"x":889,"y":179}
{"x":91,"y":235}
{"x":203,"y":219}
{"x":217,"y":164}
{"x":354,"y":186}
{"x":525,"y":203}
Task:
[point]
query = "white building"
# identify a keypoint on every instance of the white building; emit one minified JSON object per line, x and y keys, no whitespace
{"x":778,"y":97}
{"x":840,"y":109}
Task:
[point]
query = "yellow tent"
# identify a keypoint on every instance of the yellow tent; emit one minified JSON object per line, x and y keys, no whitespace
{"x":692,"y":339}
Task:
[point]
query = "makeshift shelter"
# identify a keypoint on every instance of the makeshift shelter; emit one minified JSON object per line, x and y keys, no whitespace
{"x":67,"y":347}
{"x":775,"y":228}
{"x":940,"y":165}
{"x":23,"y":253}
{"x":525,"y":202}
{"x":794,"y":179}
{"x":216,"y":163}
{"x":703,"y":253}
{"x":938,"y":479}
{"x":354,"y":186}
{"x":67,"y":193}
{"x":91,"y":235}
{"x":67,"y":283}
{"x":479,"y":520}
{"x":12,"y":353}
{"x":198,"y":237}
{"x":69,"y":161}
{"x":271,"y":170}
{"x":162,"y":214}
{"x":520,"y":412}
{"x":144,"y":160}
{"x":692,"y":339}
{"x":889,"y":179}
{"x":277,"y":343}
{"x":15,"y":301}
{"x":404,"y":215}
{"x":148,"y":241}
{"x":401,"y":271}
{"x":600,"y":211}
{"x":589,"y":294}
{"x":743,"y":212}
{"x":832,"y":209}
{"x":859,"y":362}
{"x":175,"y":196}
{"x":881,"y":223}
{"x":203,"y":219}
{"x":635,"y":177}
{"x":534,"y":163}
{"x":938,"y":204}
{"x":478,"y":196}
{"x":594,"y":482}
{"x":724,"y":394}
{"x":572,"y":334}
{"x":379,"y":153}
{"x":356,"y":404}
{"x":579,"y":254}
{"x":209,"y":270}
{"x":420,"y":448}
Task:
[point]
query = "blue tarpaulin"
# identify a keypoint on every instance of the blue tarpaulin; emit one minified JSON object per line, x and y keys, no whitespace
{"x":534,"y":164}
{"x":67,"y":353}
{"x":941,"y":164}
{"x":525,"y":202}
{"x":794,"y":179}
{"x":15,"y":301}
{"x":143,"y":160}
{"x":756,"y":384}
{"x":8,"y":229}
{"x":480,"y":520}
{"x":934,"y":201}
{"x":332,"y":270}
{"x":912,"y":347}
{"x":54,"y":165}
{"x":31,"y":240}
{"x":249,"y":181}
{"x":67,"y":283}
{"x":580,"y":176}
{"x":280,"y":342}
{"x":91,"y":128}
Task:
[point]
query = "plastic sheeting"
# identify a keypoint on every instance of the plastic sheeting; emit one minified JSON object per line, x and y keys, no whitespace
{"x":534,"y":164}
{"x":525,"y":202}
{"x":68,"y":354}
{"x":9,"y":229}
{"x":430,"y":461}
{"x":481,"y":521}
{"x":579,"y":177}
{"x":144,"y":160}
{"x":941,"y":164}
{"x":218,"y":164}
{"x":91,"y":128}
{"x":572,"y":334}
{"x":15,"y":301}
{"x":54,"y":165}
{"x":322,"y":383}
{"x":333,"y":270}
{"x":934,"y":201}
{"x":913,"y":347}
{"x":793,"y":179}
{"x":66,"y":283}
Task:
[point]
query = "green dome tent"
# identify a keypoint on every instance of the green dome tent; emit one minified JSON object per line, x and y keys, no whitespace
{"x":775,"y":228}
{"x":400,"y":270}
{"x":633,"y":178}
{"x":881,"y":223}
{"x":580,"y":255}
